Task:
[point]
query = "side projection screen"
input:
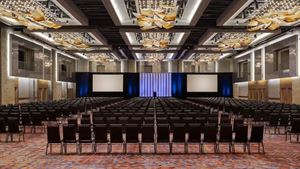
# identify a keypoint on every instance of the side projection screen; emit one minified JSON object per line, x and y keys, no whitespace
{"x":202,"y":83}
{"x":107,"y":83}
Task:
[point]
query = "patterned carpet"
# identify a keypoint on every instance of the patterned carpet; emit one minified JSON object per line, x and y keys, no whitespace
{"x":31,"y":154}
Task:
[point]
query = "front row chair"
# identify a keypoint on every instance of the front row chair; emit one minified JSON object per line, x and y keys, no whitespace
{"x":53,"y":137}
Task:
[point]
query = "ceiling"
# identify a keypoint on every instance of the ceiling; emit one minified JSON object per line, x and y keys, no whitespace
{"x":192,"y":36}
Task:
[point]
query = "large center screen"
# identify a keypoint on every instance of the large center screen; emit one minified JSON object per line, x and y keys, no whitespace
{"x":202,"y":83}
{"x":107,"y":83}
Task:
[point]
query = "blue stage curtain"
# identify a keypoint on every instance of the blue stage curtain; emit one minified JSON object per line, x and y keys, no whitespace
{"x":155,"y":82}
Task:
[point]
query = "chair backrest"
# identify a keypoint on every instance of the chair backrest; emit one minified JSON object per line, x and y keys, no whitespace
{"x":25,"y":117}
{"x":2,"y":125}
{"x":226,"y":133}
{"x":73,"y":122}
{"x":295,"y":125}
{"x":257,"y":133}
{"x":241,"y":133}
{"x":163,"y":133}
{"x":85,"y":133}
{"x":85,"y":120}
{"x":69,"y":133}
{"x":98,"y":120}
{"x":195,"y":130}
{"x":116,"y":133}
{"x":13,"y":124}
{"x":123,"y":120}
{"x":132,"y":133}
{"x":147,"y":133}
{"x":53,"y":135}
{"x":111,"y":120}
{"x":100,"y":133}
{"x":210,"y":133}
{"x":179,"y":131}
{"x":36,"y":118}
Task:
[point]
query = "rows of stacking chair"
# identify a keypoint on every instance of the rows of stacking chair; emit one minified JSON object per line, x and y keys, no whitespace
{"x":203,"y":128}
{"x":14,"y":119}
{"x":109,"y":125}
{"x":275,"y":116}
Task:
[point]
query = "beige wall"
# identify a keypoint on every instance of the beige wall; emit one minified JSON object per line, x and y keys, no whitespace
{"x":7,"y":83}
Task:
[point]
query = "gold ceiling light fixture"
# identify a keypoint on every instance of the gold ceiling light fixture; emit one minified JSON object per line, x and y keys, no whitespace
{"x":272,"y":14}
{"x":154,"y":57}
{"x":100,"y":57}
{"x":72,"y":40}
{"x":29,"y":13}
{"x":155,"y":41}
{"x":207,"y":57}
{"x":156,"y":14}
{"x":233,"y":41}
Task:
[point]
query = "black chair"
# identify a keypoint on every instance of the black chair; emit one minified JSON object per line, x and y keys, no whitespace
{"x":85,"y":136}
{"x":100,"y":135}
{"x":53,"y":137}
{"x":241,"y":136}
{"x":209,"y":136}
{"x":257,"y":136}
{"x":238,"y":122}
{"x":116,"y":135}
{"x":69,"y":136}
{"x":132,"y":135}
{"x":294,"y":130}
{"x":163,"y":135}
{"x":3,"y":128}
{"x":148,"y":135}
{"x":26,"y":120}
{"x":194,"y":134}
{"x":274,"y":123}
{"x":73,"y":122}
{"x":13,"y":125}
{"x":225,"y":136}
{"x":36,"y":119}
{"x":123,"y":120}
{"x":85,"y":121}
{"x":179,"y":135}
{"x":98,"y":120}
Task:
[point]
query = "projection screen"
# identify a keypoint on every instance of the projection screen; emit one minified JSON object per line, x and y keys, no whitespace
{"x":107,"y":83}
{"x":202,"y":83}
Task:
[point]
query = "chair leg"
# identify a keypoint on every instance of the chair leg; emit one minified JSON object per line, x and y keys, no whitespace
{"x":47,"y":148}
{"x":258,"y":149}
{"x":233,"y":148}
{"x":61,"y":148}
{"x":263,"y":147}
{"x":170,"y":147}
{"x":155,"y":148}
{"x":249,"y":148}
{"x":124,"y":147}
{"x":65,"y":148}
{"x":51,"y":148}
{"x":201,"y":148}
{"x":95,"y":148}
{"x":140,"y":147}
{"x":186,"y":148}
{"x":108,"y":148}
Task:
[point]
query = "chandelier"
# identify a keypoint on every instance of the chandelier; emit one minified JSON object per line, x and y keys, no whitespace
{"x":207,"y":57}
{"x":29,"y":13}
{"x":154,"y":57}
{"x":230,"y":41}
{"x":100,"y":57}
{"x":273,"y":14}
{"x":155,"y":41}
{"x":72,"y":40}
{"x":155,"y":14}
